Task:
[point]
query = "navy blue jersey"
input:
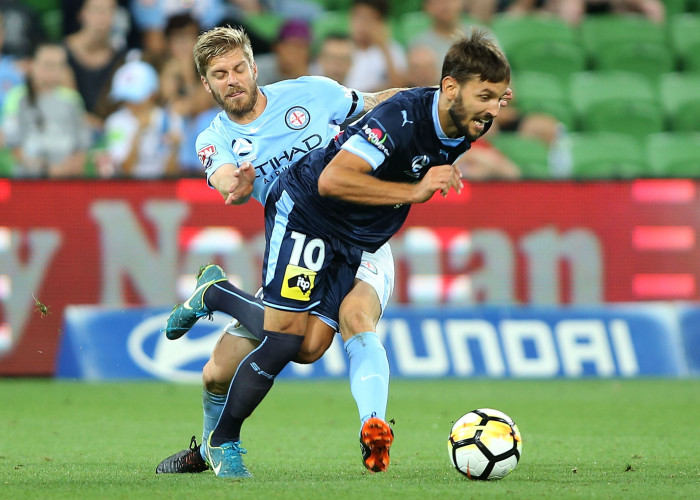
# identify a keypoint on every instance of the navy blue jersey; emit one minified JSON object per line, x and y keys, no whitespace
{"x":401,"y":139}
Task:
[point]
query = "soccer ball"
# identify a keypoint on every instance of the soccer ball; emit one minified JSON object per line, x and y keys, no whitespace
{"x":485,"y":444}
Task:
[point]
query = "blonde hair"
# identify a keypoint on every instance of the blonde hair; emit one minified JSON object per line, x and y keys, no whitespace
{"x":219,"y":41}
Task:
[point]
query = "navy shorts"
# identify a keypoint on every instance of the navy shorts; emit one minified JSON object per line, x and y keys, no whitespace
{"x":303,"y":270}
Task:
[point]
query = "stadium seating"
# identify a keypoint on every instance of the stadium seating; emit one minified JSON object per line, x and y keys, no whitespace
{"x":607,"y":156}
{"x":530,"y":155}
{"x":513,"y":32}
{"x":330,"y":22}
{"x":399,"y":9}
{"x":684,"y":31}
{"x":409,"y":25}
{"x":679,"y":95}
{"x":674,"y":154}
{"x":542,"y":93}
{"x":7,"y":162}
{"x":602,"y":33}
{"x":674,"y":7}
{"x":615,"y":102}
{"x":647,"y":59}
{"x":265,"y":25}
{"x":540,"y":44}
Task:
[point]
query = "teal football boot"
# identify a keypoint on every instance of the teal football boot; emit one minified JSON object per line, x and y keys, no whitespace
{"x":226,"y":460}
{"x":185,"y":315}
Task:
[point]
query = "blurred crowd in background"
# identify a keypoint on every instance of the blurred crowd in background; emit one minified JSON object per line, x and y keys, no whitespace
{"x":108,"y":88}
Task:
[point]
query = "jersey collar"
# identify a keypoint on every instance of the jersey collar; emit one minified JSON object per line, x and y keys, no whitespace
{"x":447,"y":141}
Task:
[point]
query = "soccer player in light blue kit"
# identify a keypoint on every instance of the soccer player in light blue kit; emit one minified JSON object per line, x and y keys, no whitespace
{"x":261,"y":132}
{"x":350,"y":197}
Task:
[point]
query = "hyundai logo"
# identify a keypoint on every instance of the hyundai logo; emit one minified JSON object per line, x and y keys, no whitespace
{"x":179,"y":360}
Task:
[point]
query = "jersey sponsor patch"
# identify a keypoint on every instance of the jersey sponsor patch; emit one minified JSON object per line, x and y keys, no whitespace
{"x":376,"y":134}
{"x":296,"y":118}
{"x":298,"y":283}
{"x":205,"y":155}
{"x":242,"y":147}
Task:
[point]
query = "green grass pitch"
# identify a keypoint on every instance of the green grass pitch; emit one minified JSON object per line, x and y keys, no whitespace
{"x":581,"y":439}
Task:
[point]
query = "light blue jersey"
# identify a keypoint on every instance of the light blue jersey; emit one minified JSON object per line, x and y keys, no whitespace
{"x":300,"y":115}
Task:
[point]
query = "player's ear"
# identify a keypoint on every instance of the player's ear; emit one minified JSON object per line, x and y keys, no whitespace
{"x":255,"y":71}
{"x":205,"y":83}
{"x":449,"y":87}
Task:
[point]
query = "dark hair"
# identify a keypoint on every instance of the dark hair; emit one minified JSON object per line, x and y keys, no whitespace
{"x":337,"y":35}
{"x":476,"y":55}
{"x":381,"y":6}
{"x":179,"y":21}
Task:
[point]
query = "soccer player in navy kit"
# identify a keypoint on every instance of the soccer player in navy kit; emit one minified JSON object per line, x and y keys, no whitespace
{"x":351,"y":197}
{"x":261,"y":132}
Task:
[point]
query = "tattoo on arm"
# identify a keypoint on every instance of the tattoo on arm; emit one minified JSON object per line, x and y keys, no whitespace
{"x":373,"y":98}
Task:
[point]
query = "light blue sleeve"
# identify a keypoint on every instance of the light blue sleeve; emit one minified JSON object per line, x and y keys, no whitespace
{"x":359,"y":146}
{"x":147,"y":14}
{"x":213,"y":152}
{"x":343,"y":103}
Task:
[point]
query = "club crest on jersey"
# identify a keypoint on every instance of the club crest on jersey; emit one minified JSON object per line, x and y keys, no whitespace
{"x":377,"y":135}
{"x":205,"y":155}
{"x":369,"y":266}
{"x":242,"y":147}
{"x":417,"y":164}
{"x":298,"y":283}
{"x":296,"y":118}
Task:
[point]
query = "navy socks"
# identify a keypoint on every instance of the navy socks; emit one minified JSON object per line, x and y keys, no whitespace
{"x":246,"y":308}
{"x":252,"y":381}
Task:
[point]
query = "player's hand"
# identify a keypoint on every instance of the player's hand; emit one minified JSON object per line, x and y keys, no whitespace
{"x":506,"y":98}
{"x":241,"y":185}
{"x":441,"y":178}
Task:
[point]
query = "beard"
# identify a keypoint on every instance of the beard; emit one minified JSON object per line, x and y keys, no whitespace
{"x":236,"y":107}
{"x":459,"y":118}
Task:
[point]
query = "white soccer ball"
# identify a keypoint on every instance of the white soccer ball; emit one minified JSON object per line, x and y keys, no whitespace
{"x":485,"y":444}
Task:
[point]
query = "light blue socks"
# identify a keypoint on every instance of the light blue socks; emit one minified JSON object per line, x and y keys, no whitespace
{"x":369,"y":374}
{"x":213,"y":405}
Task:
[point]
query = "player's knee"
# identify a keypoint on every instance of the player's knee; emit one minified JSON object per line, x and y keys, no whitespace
{"x":313,"y":348}
{"x":354,"y":320}
{"x":215,"y":378}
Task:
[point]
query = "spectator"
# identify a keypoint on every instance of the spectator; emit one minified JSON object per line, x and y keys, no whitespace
{"x":123,"y":33}
{"x":10,"y":73}
{"x":23,"y":31}
{"x":484,"y":10}
{"x":93,"y":58}
{"x":151,"y":17}
{"x":44,"y":122}
{"x":181,"y":89}
{"x":291,"y":54}
{"x":423,"y":67}
{"x":379,"y":62}
{"x":446,"y":26}
{"x":290,"y":9}
{"x":485,"y":162}
{"x":142,"y":137}
{"x":572,"y":11}
{"x":335,"y":57}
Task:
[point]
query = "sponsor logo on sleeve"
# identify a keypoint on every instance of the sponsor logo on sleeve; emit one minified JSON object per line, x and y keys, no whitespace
{"x":205,"y":155}
{"x":376,"y":134}
{"x":298,"y":283}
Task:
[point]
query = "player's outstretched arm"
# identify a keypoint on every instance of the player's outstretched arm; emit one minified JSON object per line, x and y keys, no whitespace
{"x":235,"y":184}
{"x":347,"y":178}
{"x":371,"y":99}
